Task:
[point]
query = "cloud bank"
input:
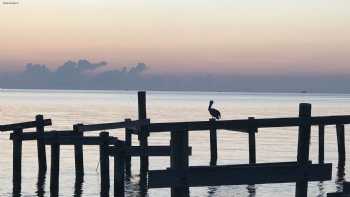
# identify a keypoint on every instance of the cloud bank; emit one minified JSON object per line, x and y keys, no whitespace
{"x":83,"y":74}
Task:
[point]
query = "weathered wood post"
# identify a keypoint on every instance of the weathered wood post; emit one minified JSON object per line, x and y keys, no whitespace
{"x":303,"y":146}
{"x":78,"y":186}
{"x":104,"y":163}
{"x":17,"y":160}
{"x":252,"y":148}
{"x":128,"y":143}
{"x":321,"y":128}
{"x":55,"y":168}
{"x":341,"y":145}
{"x":143,"y":135}
{"x":40,"y":143}
{"x":78,"y":154}
{"x":119,"y":170}
{"x":41,"y":184}
{"x":179,"y":161}
{"x":213,"y":143}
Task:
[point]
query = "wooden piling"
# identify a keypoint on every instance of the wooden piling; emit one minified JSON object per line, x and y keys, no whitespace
{"x":179,"y":161}
{"x":341,"y":145}
{"x":119,"y":170}
{"x":78,"y":154}
{"x":17,"y":160}
{"x":41,"y":184}
{"x":303,"y":146}
{"x":252,"y":146}
{"x":321,"y":128}
{"x":143,"y":139}
{"x":55,"y":168}
{"x":104,"y":164}
{"x":213,"y":144}
{"x":78,"y":186}
{"x":128,"y":143}
{"x":252,"y":150}
{"x":40,"y":144}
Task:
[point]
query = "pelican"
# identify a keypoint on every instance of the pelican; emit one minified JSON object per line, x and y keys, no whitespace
{"x":214,"y":112}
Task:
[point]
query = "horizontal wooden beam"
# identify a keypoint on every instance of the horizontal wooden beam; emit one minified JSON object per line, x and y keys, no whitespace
{"x":243,"y":125}
{"x":133,"y":124}
{"x":50,"y":134}
{"x":338,"y":194}
{"x":155,"y":151}
{"x":25,"y":125}
{"x":239,"y":175}
{"x":52,"y":138}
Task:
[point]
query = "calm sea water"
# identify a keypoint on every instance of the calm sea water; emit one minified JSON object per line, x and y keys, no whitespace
{"x":66,"y":108}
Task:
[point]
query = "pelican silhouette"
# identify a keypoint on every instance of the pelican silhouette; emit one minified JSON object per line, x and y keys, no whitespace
{"x":214,"y":112}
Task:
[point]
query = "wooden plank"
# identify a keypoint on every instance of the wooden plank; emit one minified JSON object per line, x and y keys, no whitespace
{"x":78,"y":155}
{"x":303,"y":147}
{"x":104,"y":164}
{"x":24,"y":125}
{"x":73,"y":140}
{"x":143,"y":140}
{"x":321,"y":144}
{"x":50,"y":134}
{"x":119,"y":169}
{"x":17,"y":161}
{"x":239,"y":175}
{"x":179,"y":161}
{"x":338,"y":194}
{"x":154,"y":151}
{"x":55,"y":169}
{"x":132,"y":124}
{"x":243,"y":125}
{"x":341,"y":145}
{"x":213,"y":145}
{"x":252,"y":145}
{"x":128,"y":143}
{"x":40,"y":145}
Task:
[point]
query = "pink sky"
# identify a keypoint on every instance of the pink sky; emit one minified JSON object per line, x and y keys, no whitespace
{"x":184,"y":36}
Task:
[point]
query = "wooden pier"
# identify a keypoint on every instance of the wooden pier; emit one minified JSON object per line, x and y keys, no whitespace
{"x":179,"y":176}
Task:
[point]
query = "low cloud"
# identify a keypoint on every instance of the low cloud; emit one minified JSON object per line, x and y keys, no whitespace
{"x":77,"y":75}
{"x":73,"y":75}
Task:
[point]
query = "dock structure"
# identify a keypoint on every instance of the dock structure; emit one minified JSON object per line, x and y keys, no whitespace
{"x":179,"y":176}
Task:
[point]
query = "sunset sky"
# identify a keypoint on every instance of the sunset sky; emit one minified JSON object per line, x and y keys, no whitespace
{"x":182,"y":36}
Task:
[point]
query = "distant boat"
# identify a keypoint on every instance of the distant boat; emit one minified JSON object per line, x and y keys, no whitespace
{"x":303,"y":92}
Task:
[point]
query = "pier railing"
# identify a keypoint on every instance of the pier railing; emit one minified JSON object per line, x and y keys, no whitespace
{"x":179,"y":176}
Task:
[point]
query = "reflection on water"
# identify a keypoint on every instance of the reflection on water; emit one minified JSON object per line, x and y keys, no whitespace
{"x":212,"y":190}
{"x":78,"y":185}
{"x":41,"y":183}
{"x":251,"y":190}
{"x":70,"y":107}
{"x":321,"y":189}
{"x":340,"y":176}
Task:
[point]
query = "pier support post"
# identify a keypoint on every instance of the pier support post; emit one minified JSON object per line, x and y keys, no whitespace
{"x":119,"y":170}
{"x":17,"y":160}
{"x":179,"y":161}
{"x":213,"y":144}
{"x":341,"y":146}
{"x":55,"y":168}
{"x":321,"y":144}
{"x":252,"y":146}
{"x":252,"y":149}
{"x":40,"y":144}
{"x":143,"y":138}
{"x":104,"y":164}
{"x":78,"y":154}
{"x":303,"y":146}
{"x":128,"y":143}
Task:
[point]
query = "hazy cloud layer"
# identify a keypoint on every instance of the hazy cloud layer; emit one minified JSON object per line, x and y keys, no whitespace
{"x":82,"y":75}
